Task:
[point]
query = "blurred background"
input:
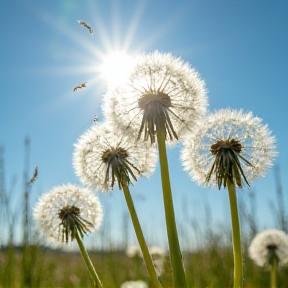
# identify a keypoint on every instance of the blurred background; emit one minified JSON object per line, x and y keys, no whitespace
{"x":238,"y":47}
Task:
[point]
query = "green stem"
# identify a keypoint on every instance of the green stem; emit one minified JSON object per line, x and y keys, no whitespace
{"x":274,"y":273}
{"x":238,"y":270}
{"x":178,"y":271}
{"x":146,"y":255}
{"x":89,"y":265}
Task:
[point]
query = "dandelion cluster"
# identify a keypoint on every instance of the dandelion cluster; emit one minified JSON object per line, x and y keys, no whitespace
{"x":103,"y":157}
{"x":162,"y":99}
{"x":67,"y":210}
{"x":228,"y":144}
{"x":268,"y":244}
{"x":161,"y":92}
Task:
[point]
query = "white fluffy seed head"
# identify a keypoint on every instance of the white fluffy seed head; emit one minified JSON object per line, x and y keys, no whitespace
{"x":152,"y":73}
{"x":133,"y":251}
{"x":259,"y":247}
{"x":258,"y":146}
{"x":46,"y":212}
{"x":155,"y":251}
{"x":88,"y":156}
{"x":158,"y":256}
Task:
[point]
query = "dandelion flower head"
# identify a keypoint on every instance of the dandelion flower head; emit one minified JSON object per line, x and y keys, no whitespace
{"x":67,"y":210}
{"x":267,"y":244}
{"x":161,"y":93}
{"x":228,"y":144}
{"x":103,"y":157}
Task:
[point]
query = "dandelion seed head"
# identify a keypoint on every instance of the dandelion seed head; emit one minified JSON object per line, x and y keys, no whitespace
{"x":157,"y":251}
{"x":66,"y":209}
{"x":230,"y":134}
{"x":267,"y":242}
{"x":157,"y":254}
{"x":103,"y":156}
{"x":161,"y":92}
{"x":133,"y":251}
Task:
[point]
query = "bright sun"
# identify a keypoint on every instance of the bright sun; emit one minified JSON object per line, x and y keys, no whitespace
{"x":115,"y":67}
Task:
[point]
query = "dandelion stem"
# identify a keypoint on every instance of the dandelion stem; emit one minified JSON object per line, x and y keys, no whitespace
{"x":146,"y":255}
{"x":179,"y":276}
{"x":238,"y":270}
{"x":273,"y":283}
{"x":87,"y":260}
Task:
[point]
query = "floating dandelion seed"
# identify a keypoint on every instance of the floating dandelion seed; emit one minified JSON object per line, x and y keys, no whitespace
{"x":79,"y":86}
{"x":95,"y":119}
{"x":35,"y":175}
{"x":161,"y":93}
{"x":67,"y":210}
{"x":82,"y":23}
{"x":103,"y":157}
{"x":268,"y":244}
{"x":229,"y":144}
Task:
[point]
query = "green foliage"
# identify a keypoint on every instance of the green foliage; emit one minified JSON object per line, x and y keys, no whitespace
{"x":210,"y":266}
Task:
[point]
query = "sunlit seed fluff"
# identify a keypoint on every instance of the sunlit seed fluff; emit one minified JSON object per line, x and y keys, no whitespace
{"x":103,"y":156}
{"x":161,"y":91}
{"x":247,"y":138}
{"x":265,"y":243}
{"x":65,"y":209}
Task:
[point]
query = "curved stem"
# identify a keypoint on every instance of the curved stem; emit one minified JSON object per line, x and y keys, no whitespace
{"x":146,"y":255}
{"x":87,"y":260}
{"x":179,"y":276}
{"x":238,"y":270}
{"x":273,"y":283}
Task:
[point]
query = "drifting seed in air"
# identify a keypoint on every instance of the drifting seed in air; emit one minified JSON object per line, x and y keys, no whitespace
{"x":34,"y":178}
{"x":82,"y":23}
{"x":79,"y":86}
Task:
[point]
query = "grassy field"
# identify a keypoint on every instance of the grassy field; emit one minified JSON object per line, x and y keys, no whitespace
{"x":210,"y":264}
{"x":34,"y":266}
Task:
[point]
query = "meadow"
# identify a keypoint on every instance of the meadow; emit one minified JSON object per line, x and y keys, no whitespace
{"x":29,"y":263}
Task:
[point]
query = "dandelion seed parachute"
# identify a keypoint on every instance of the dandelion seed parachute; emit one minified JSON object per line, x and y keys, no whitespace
{"x":79,"y":86}
{"x":160,"y":89}
{"x":35,"y":175}
{"x":251,"y":142}
{"x":78,"y":202}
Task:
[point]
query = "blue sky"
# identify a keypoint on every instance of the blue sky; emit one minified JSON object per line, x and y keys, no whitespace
{"x":240,"y":49}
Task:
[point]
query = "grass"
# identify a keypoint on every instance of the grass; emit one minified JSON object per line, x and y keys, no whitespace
{"x":210,"y":266}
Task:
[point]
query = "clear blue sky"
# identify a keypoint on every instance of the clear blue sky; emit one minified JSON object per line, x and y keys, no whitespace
{"x":240,"y":48}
